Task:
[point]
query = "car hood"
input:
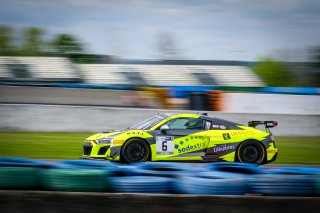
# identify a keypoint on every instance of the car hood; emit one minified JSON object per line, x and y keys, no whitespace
{"x":105,"y":134}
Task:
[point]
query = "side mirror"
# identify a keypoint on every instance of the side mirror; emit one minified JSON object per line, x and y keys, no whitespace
{"x":164,"y":128}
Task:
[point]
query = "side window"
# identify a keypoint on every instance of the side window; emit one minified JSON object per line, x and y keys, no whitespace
{"x":218,"y":126}
{"x":186,"y":123}
{"x":178,"y":123}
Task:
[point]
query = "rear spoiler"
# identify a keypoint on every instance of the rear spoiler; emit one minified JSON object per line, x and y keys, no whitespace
{"x":267,"y":124}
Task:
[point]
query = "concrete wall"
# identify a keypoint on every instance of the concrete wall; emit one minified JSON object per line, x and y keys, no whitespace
{"x":31,"y":117}
{"x":77,"y":202}
{"x":232,"y":102}
{"x":75,"y":96}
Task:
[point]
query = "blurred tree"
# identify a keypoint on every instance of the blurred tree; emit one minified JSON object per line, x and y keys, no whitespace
{"x":33,"y":43}
{"x":66,"y":44}
{"x":6,"y":40}
{"x":273,"y":73}
{"x":167,"y":46}
{"x":315,"y":56}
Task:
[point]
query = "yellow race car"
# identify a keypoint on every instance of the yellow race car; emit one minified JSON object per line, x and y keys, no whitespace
{"x":185,"y":137}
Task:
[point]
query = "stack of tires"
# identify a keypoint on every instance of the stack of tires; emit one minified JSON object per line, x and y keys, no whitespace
{"x":211,"y":184}
{"x":155,"y":177}
{"x":19,"y":173}
{"x":158,"y":177}
{"x":77,"y":175}
{"x":317,"y":184}
{"x":282,"y":184}
{"x":163,"y":169}
{"x":218,"y":179}
{"x":77,"y":179}
{"x":287,"y":181}
{"x":141,"y":184}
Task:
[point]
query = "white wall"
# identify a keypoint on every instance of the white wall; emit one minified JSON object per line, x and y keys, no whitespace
{"x":271,"y":103}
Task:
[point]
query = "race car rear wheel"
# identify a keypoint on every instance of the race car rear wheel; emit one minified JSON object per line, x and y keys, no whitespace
{"x":251,"y":152}
{"x":134,"y":151}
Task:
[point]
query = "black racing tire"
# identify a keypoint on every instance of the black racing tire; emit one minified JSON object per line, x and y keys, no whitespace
{"x":134,"y":151}
{"x":251,"y":152}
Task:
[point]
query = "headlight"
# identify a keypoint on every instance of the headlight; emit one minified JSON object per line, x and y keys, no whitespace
{"x":107,"y":140}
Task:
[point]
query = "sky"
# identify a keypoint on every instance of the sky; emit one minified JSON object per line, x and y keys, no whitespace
{"x":200,"y":29}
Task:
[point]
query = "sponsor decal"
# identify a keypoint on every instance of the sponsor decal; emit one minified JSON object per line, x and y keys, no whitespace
{"x":137,"y":133}
{"x":190,"y":148}
{"x":239,"y":133}
{"x":117,"y":142}
{"x":223,"y":147}
{"x":226,"y":136}
{"x":217,"y":126}
{"x":223,"y":127}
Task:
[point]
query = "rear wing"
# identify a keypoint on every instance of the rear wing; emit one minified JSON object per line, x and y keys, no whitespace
{"x":267,"y":124}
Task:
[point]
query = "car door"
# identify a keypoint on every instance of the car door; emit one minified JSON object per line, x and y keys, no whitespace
{"x":184,"y":140}
{"x":222,"y":145}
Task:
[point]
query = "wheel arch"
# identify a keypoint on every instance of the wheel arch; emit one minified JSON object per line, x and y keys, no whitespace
{"x":250,"y":140}
{"x":138,"y":138}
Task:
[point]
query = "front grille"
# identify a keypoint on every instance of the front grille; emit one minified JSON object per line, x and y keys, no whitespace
{"x":87,"y":147}
{"x":103,"y":150}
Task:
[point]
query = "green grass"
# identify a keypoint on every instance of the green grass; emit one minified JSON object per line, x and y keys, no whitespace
{"x":68,"y":145}
{"x":298,"y":150}
{"x":42,"y":145}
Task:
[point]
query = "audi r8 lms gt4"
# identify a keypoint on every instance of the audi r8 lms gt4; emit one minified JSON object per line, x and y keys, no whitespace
{"x":185,"y":137}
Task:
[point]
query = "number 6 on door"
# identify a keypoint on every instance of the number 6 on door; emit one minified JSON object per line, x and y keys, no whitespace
{"x":165,"y":145}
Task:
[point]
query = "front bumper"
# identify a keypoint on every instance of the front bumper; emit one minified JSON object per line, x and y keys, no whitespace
{"x":95,"y":150}
{"x":90,"y":158}
{"x":100,"y":151}
{"x":273,"y":158}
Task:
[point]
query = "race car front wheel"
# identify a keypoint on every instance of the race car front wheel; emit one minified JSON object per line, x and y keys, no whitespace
{"x":251,"y":152}
{"x":134,"y":151}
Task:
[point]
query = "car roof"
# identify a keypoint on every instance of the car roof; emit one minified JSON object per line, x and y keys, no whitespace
{"x":203,"y":116}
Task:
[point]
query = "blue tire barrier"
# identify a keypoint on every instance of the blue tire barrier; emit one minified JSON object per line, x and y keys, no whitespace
{"x":76,"y":179}
{"x":18,"y":177}
{"x":296,"y":170}
{"x":317,"y":184}
{"x":141,"y":184}
{"x":125,"y":170}
{"x":201,"y":185}
{"x":91,"y":164}
{"x":218,"y":175}
{"x":163,"y":169}
{"x":234,"y":167}
{"x":22,"y":162}
{"x":283,"y":184}
{"x":238,"y":170}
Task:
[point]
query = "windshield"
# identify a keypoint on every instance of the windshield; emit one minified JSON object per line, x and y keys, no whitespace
{"x":147,"y":124}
